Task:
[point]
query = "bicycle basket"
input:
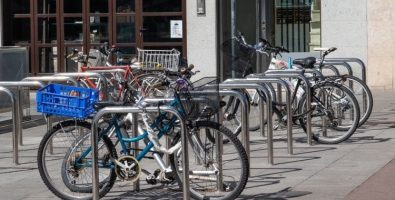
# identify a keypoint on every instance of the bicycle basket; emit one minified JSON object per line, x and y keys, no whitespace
{"x":66,"y":100}
{"x":159,"y":59}
{"x":236,"y":55}
{"x":202,"y":101}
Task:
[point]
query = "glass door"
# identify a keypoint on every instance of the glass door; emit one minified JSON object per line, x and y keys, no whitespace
{"x":163,"y":25}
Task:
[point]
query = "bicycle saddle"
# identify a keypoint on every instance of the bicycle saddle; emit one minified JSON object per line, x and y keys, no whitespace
{"x":307,"y":63}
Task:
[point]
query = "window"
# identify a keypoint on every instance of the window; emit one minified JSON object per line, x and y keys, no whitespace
{"x":297,"y":24}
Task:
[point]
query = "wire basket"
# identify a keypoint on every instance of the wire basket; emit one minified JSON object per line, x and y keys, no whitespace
{"x":202,"y":101}
{"x":236,"y":55}
{"x":66,"y":100}
{"x":159,"y":59}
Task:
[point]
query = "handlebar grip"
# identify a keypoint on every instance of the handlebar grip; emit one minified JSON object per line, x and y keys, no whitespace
{"x":191,"y":66}
{"x":92,"y":57}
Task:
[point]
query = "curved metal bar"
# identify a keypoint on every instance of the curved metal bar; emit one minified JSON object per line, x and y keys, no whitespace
{"x":245,"y":118}
{"x":333,"y":68}
{"x":346,"y":65}
{"x":16,"y":123}
{"x":253,"y":78}
{"x":106,"y":71}
{"x":296,"y":74}
{"x":51,"y":78}
{"x":131,"y":109}
{"x":18,"y":115}
{"x":21,"y":83}
{"x":90,"y":74}
{"x":360,"y":62}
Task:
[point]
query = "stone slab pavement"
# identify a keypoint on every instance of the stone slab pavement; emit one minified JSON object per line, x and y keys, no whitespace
{"x":363,"y":167}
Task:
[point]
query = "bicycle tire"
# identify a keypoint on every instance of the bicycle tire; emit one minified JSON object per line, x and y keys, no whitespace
{"x":233,"y":153}
{"x":52,"y":165}
{"x":254,"y":108}
{"x":364,"y":97}
{"x":336,"y":130}
{"x":144,"y":81}
{"x":231,"y":122}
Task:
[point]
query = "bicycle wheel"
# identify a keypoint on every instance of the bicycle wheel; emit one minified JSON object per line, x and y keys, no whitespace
{"x":142,"y":84}
{"x":232,"y":122}
{"x":206,"y":179}
{"x":56,"y":157}
{"x":254,"y":99}
{"x":336,"y":114}
{"x":363,"y":95}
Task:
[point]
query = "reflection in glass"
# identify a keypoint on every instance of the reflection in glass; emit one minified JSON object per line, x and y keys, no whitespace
{"x":162,"y":6}
{"x":46,"y":6}
{"x":20,"y":6}
{"x":47,"y":60}
{"x":21,"y":33}
{"x":158,"y":29}
{"x":99,"y":6}
{"x":125,"y":6}
{"x":126,"y":29}
{"x":73,"y":30}
{"x":47,"y":30}
{"x":99,"y":29}
{"x":74,"y":6}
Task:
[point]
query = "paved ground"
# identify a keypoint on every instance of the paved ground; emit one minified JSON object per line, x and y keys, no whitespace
{"x":360,"y":168}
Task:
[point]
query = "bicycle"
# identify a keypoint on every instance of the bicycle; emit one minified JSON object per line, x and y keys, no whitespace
{"x":335,"y":112}
{"x":361,"y":91}
{"x":66,"y":171}
{"x":239,"y":55}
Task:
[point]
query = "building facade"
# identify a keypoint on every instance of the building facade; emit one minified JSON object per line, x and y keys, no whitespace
{"x":361,"y":29}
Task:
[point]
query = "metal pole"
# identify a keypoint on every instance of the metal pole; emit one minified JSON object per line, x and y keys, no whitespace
{"x":262,"y":79}
{"x":20,"y":114}
{"x":51,"y":78}
{"x":135,"y":145}
{"x":16,"y":123}
{"x":241,"y":84}
{"x":131,"y":109}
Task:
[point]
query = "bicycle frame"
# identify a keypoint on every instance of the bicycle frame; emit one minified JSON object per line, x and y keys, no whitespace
{"x":114,"y":123}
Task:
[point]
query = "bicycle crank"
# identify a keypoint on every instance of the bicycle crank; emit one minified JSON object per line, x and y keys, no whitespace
{"x":127,"y":168}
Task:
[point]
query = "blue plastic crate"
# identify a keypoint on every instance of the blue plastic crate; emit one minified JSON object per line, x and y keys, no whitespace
{"x":66,"y":100}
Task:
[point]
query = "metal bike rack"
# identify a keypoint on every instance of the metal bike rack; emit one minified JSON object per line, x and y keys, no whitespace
{"x":260,"y":80}
{"x":362,"y":64}
{"x":292,"y":74}
{"x":333,"y":68}
{"x":132,"y":109}
{"x":16,"y":122}
{"x":241,"y":84}
{"x":106,"y":71}
{"x":344,"y":64}
{"x":17,"y":112}
{"x":90,"y":74}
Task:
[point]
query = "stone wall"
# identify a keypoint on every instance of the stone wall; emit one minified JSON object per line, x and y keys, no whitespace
{"x":344,"y":25}
{"x":381,"y":44}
